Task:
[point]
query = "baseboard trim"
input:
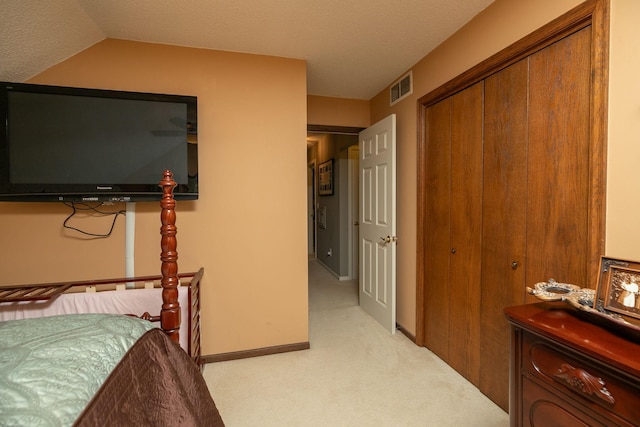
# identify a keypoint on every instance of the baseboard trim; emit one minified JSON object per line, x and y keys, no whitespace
{"x":406,"y":333}
{"x":326,"y":267}
{"x":245,"y":354}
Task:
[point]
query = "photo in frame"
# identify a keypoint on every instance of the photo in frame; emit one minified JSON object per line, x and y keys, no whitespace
{"x":619,"y":288}
{"x":325,"y":178}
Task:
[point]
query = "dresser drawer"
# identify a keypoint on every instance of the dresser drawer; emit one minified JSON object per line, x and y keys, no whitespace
{"x":590,"y":383}
{"x":542,"y":408}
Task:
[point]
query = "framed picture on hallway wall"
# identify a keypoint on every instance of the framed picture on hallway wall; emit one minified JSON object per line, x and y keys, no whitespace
{"x":325,"y":178}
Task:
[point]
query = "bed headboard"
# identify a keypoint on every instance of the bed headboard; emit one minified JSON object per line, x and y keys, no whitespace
{"x":170,"y":311}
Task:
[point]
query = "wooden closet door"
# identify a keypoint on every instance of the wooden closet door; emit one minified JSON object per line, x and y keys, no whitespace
{"x":536,"y":189}
{"x":453,"y":228}
{"x":466,"y":232}
{"x":505,"y":221}
{"x":559,"y":162}
{"x":437,"y":227}
{"x":543,"y":194}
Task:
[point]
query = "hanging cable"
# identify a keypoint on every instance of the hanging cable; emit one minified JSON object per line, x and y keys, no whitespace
{"x":85,"y":207}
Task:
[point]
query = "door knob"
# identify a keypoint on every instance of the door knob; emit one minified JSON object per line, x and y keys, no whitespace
{"x":389,"y":239}
{"x":514,"y":265}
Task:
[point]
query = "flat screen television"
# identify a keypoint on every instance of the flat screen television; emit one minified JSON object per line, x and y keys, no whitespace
{"x":71,"y":144}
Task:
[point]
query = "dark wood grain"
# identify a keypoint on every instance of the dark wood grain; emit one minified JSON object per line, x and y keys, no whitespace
{"x":504,"y":228}
{"x":558,"y":162}
{"x":543,"y":209}
{"x":170,"y":312}
{"x":552,"y":343}
{"x":466,"y":232}
{"x":437,"y":236}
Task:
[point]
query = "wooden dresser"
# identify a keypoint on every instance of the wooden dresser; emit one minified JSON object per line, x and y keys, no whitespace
{"x":568,"y":372}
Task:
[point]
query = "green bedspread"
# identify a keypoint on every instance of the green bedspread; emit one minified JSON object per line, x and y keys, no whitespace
{"x":51,"y":367}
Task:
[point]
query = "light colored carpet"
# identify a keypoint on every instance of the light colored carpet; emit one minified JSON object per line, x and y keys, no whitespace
{"x":355,"y":375}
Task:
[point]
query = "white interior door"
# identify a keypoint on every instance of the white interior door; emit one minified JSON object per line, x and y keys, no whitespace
{"x":377,"y":278}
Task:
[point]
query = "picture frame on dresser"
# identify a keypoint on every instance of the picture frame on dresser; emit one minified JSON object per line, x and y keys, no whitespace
{"x":618,"y":289}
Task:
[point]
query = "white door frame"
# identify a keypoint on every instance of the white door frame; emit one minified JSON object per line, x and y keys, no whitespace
{"x":353,"y":217}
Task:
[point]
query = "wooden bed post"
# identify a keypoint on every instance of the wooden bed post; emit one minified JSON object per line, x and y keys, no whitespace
{"x":170,"y":313}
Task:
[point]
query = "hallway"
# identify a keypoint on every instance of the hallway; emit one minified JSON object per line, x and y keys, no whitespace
{"x":355,"y":374}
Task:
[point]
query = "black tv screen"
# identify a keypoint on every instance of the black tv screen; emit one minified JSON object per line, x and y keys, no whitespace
{"x":72,"y":144}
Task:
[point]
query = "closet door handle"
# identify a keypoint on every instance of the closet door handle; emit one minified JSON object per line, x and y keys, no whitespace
{"x":514,"y":265}
{"x":453,"y":250}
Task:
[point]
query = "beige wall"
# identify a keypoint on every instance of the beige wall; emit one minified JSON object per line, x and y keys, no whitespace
{"x":623,"y":183}
{"x":322,"y":110}
{"x":248,"y":229}
{"x":498,"y":26}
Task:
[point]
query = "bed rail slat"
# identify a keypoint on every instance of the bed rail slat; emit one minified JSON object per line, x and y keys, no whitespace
{"x":32,"y":292}
{"x":49,"y":291}
{"x":194,"y":330}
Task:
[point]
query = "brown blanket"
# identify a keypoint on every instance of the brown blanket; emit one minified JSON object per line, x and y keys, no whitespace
{"x":155,"y":384}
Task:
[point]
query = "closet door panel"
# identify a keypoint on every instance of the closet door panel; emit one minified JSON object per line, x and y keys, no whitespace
{"x":504,"y":222}
{"x":466,"y":231}
{"x":558,"y":161}
{"x":437,"y":227}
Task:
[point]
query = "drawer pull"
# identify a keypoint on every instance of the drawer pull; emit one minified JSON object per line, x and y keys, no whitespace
{"x":584,"y":382}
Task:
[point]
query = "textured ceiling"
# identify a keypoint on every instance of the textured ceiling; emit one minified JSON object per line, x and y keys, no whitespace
{"x":353,"y":48}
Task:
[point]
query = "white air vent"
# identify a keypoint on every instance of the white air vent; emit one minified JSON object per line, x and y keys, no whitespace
{"x":402,"y":88}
